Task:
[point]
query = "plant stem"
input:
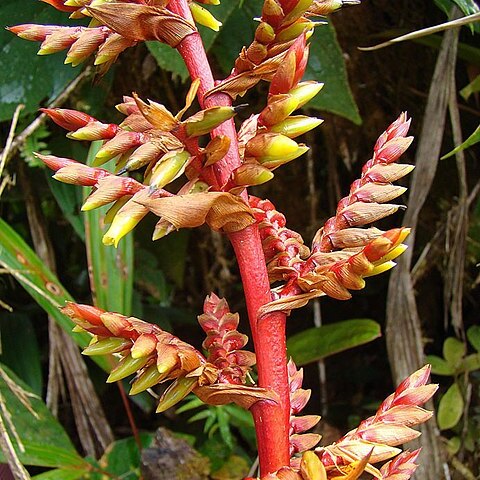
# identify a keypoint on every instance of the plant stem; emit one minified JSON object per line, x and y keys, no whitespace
{"x":271,"y":419}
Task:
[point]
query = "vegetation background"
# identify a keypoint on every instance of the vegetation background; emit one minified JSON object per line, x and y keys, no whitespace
{"x":165,"y":282}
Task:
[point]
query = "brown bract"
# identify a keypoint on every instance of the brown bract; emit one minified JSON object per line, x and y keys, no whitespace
{"x":220,"y":210}
{"x":143,"y":22}
{"x":242,"y":395}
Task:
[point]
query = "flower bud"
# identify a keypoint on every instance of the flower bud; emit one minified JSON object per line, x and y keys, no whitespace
{"x":147,"y":379}
{"x":278,"y":109}
{"x":113,"y":46}
{"x":205,"y":121}
{"x":294,"y":30}
{"x":251,"y":174}
{"x":95,"y":131}
{"x":144,"y":345}
{"x":168,"y":168}
{"x":68,"y":119}
{"x":126,"y":367}
{"x":300,"y":8}
{"x":204,"y":17}
{"x":80,"y":174}
{"x":264,"y":33}
{"x":106,"y":346}
{"x":311,"y":467}
{"x":86,"y":44}
{"x":295,"y":126}
{"x":109,"y":189}
{"x":305,"y":91}
{"x":126,"y":219}
{"x":32,"y":32}
{"x":176,"y":392}
{"x":119,"y":144}
{"x":143,"y":155}
{"x":59,"y":40}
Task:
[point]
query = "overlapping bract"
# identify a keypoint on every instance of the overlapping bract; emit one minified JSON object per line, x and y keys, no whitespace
{"x":115,"y":26}
{"x":299,"y":397}
{"x":224,"y":342}
{"x":381,"y":434}
{"x":166,"y":147}
{"x":156,"y":356}
{"x":342,"y":253}
{"x":374,"y":441}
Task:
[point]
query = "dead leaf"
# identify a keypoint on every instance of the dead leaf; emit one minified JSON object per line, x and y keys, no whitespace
{"x":220,"y":210}
{"x":242,"y":395}
{"x":143,"y":22}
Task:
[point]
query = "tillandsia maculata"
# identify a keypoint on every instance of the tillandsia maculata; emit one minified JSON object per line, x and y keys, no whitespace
{"x":164,"y":147}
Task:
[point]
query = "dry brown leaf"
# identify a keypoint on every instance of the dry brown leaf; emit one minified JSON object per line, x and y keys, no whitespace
{"x":220,"y":210}
{"x":143,"y":22}
{"x":242,"y":395}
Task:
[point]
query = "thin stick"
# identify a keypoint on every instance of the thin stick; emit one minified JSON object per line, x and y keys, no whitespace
{"x":19,"y":140}
{"x":475,"y":17}
{"x":131,"y":420}
{"x":11,"y":133}
{"x":18,"y":470}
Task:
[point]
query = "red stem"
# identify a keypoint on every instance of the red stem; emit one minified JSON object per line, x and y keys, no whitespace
{"x":271,"y":419}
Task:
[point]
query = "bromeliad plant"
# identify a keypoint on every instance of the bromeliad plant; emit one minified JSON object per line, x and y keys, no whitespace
{"x":161,"y":147}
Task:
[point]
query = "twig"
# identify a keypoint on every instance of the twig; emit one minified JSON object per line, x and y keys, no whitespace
{"x":475,"y":17}
{"x":11,"y":133}
{"x":19,"y":140}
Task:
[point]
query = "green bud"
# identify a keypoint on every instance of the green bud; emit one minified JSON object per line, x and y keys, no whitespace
{"x":106,"y":346}
{"x":305,"y":91}
{"x":150,"y":377}
{"x":168,"y":168}
{"x":205,"y":121}
{"x":176,"y":392}
{"x":126,"y":367}
{"x":292,"y":127}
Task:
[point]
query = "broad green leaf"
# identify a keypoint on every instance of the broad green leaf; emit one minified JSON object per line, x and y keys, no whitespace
{"x":471,"y":88}
{"x":450,"y":409}
{"x":169,"y":59}
{"x":44,"y":441}
{"x":17,"y":258}
{"x":471,"y":363}
{"x":122,"y":458}
{"x":326,"y":64}
{"x":25,"y":77}
{"x":111,"y":268}
{"x":17,"y":335}
{"x":453,"y":351}
{"x":453,"y":445}
{"x":471,"y":140}
{"x":439,"y":365}
{"x":473,"y":335}
{"x":62,"y":474}
{"x":316,"y":343}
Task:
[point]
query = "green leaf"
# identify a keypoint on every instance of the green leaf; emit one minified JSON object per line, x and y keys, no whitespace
{"x":169,"y":59}
{"x":23,"y":264}
{"x":468,"y":7}
{"x":453,"y":351}
{"x":17,"y":335}
{"x":122,"y":458}
{"x":473,"y":335}
{"x":326,"y":64}
{"x":471,"y":88}
{"x":25,"y":77}
{"x":471,"y":140}
{"x":450,"y":409}
{"x":61,"y":474}
{"x":45,"y":442}
{"x":224,"y":426}
{"x":471,"y":363}
{"x":453,"y":445}
{"x":112,"y":268}
{"x":316,"y":343}
{"x":439,"y":365}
